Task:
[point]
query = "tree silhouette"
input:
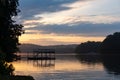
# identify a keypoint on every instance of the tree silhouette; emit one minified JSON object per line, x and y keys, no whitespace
{"x":87,"y":47}
{"x":111,"y":44}
{"x":9,"y":30}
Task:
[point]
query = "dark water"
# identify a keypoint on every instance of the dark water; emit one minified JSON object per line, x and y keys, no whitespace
{"x":71,"y":67}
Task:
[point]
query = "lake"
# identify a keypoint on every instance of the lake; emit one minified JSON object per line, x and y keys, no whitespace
{"x":70,"y":67}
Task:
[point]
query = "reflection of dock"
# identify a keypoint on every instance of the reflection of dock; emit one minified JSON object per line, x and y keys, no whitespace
{"x":43,"y":54}
{"x":44,"y":63}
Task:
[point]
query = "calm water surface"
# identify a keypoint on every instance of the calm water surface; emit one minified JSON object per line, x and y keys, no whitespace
{"x":66,"y":67}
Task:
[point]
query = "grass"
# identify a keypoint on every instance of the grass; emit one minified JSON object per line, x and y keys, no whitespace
{"x":16,"y":78}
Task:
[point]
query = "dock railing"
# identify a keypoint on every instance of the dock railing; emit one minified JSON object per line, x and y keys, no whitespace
{"x":43,"y":54}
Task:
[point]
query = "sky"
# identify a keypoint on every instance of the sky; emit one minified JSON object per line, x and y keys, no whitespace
{"x":62,"y":22}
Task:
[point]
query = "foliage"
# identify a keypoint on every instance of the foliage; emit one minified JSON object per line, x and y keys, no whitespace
{"x":9,"y":31}
{"x":87,"y":47}
{"x":5,"y":68}
{"x":9,"y":34}
{"x":111,"y":43}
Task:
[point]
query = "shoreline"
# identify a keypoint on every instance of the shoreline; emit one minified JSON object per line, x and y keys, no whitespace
{"x":16,"y":77}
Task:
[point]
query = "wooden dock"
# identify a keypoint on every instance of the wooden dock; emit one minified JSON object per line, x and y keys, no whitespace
{"x":43,"y":54}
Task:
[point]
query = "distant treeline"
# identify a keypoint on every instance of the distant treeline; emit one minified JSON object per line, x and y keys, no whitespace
{"x":88,"y":47}
{"x":29,"y":48}
{"x":111,"y":44}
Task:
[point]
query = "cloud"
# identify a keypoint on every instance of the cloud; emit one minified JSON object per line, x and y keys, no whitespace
{"x":83,"y":29}
{"x":29,"y":8}
{"x":80,"y":18}
{"x":61,"y":20}
{"x":77,"y":11}
{"x":68,"y":21}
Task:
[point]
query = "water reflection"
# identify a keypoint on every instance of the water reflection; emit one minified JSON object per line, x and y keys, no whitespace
{"x":67,"y":67}
{"x":111,"y":63}
{"x":42,"y":63}
{"x":89,"y":59}
{"x":62,"y":63}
